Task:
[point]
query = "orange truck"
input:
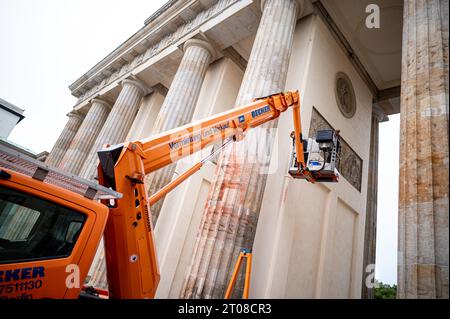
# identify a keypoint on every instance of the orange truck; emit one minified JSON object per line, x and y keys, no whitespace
{"x":51,"y":222}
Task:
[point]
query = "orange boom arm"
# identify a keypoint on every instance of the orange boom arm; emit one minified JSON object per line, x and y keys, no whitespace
{"x":130,"y":251}
{"x":164,"y":149}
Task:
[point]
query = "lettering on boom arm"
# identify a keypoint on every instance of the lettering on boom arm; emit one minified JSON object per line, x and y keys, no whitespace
{"x":198,"y":137}
{"x":215,"y":129}
{"x":260,"y":111}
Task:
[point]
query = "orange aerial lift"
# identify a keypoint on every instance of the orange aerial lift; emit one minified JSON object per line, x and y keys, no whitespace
{"x":51,"y":222}
{"x":247,"y":255}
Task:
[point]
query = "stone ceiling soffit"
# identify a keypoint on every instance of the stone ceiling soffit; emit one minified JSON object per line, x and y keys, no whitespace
{"x":161,"y":89}
{"x":376,"y":57}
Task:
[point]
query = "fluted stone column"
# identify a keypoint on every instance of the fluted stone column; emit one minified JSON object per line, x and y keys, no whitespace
{"x":370,"y":236}
{"x":85,"y":137}
{"x":423,"y":203}
{"x":179,"y":105}
{"x":62,"y":144}
{"x":118,"y":123}
{"x":145,"y":119}
{"x":233,"y":204}
{"x":114,"y":131}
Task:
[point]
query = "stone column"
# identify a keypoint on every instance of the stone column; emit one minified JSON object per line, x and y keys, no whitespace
{"x":117,"y":124}
{"x":179,"y":105}
{"x":232,"y":209}
{"x":370,"y":236}
{"x":114,"y":131}
{"x":84,"y":139}
{"x":62,"y":144}
{"x":145,"y":119}
{"x":423,"y":195}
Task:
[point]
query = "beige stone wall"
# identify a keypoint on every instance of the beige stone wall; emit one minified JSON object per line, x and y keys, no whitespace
{"x":309,"y":240}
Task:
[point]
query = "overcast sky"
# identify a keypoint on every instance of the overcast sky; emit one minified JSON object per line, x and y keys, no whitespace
{"x":48,"y":44}
{"x":388,"y":166}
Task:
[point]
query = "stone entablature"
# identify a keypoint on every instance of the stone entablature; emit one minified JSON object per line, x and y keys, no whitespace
{"x":147,"y":43}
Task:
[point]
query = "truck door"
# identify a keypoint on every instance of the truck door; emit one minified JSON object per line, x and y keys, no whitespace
{"x":47,"y":242}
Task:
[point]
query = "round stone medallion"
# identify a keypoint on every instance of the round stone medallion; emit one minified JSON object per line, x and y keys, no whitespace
{"x":345,"y":95}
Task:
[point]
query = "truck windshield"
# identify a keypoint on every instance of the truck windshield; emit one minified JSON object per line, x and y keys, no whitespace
{"x":32,"y":228}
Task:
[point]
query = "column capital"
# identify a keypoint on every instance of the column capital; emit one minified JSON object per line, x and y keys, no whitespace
{"x":102,"y":102}
{"x":75,"y":114}
{"x":379,"y":113}
{"x":142,"y":87}
{"x":200,"y":43}
{"x":161,"y":89}
{"x":300,"y":6}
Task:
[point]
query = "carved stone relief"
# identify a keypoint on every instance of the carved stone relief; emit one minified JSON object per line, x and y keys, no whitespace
{"x":350,"y":164}
{"x":345,"y":95}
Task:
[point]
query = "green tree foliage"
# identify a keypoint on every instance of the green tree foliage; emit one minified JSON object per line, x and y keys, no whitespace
{"x":385,"y":291}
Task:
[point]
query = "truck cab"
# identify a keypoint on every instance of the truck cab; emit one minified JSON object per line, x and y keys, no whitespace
{"x":50,"y":228}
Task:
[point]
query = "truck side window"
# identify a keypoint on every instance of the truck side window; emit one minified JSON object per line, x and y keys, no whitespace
{"x":32,"y":228}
